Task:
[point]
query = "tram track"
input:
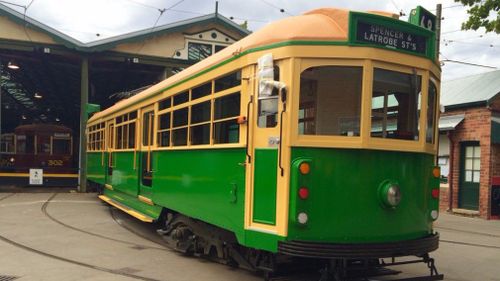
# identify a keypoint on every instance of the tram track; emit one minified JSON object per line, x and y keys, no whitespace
{"x":468,"y":232}
{"x":469,"y":244}
{"x":75,"y":262}
{"x":68,"y":260}
{"x":48,"y":215}
{"x":7,"y":196}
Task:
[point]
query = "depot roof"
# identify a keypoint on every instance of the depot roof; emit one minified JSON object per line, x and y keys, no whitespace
{"x":109,"y":43}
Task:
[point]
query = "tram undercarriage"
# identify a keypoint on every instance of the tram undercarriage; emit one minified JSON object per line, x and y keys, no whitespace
{"x":192,"y":237}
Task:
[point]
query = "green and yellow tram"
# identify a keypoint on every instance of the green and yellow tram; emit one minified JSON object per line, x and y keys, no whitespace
{"x":312,"y":138}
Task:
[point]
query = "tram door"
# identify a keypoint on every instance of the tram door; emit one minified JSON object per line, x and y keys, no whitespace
{"x":146,"y":155}
{"x":264,"y":149}
{"x":110,"y":141}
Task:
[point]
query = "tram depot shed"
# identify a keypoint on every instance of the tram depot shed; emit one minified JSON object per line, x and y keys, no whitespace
{"x":58,"y":76}
{"x":469,"y":150}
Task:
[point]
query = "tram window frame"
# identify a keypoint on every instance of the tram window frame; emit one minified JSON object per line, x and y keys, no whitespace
{"x":125,"y":130}
{"x":43,"y":146}
{"x":201,"y":125}
{"x":95,"y":137}
{"x":324,"y":111}
{"x":163,"y":131}
{"x":222,"y":134}
{"x":430,"y":130}
{"x":395,"y":100}
{"x":56,"y":143}
{"x":269,"y":118}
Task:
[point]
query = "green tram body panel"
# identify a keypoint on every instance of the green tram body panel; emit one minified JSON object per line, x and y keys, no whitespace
{"x":96,"y":168}
{"x":204,"y":184}
{"x":343,"y":204}
{"x":125,"y":176}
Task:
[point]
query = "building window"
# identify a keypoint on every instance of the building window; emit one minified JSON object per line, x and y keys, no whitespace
{"x":198,"y":51}
{"x":395,"y":105}
{"x":472,"y":163}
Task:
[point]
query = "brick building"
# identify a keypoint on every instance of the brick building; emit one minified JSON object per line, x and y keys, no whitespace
{"x":469,"y":150}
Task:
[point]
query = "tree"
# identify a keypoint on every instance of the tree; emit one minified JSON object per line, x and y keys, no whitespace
{"x":482,"y":14}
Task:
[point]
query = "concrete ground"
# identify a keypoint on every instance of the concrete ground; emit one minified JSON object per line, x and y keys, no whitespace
{"x":72,"y":236}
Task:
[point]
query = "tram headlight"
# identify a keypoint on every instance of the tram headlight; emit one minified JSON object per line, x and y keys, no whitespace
{"x":390,"y":194}
{"x":434,"y":214}
{"x":302,"y":218}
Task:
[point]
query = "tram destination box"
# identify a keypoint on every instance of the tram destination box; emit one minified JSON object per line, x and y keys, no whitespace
{"x":385,"y":32}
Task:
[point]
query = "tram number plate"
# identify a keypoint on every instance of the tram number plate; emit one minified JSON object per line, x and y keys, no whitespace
{"x":391,"y":38}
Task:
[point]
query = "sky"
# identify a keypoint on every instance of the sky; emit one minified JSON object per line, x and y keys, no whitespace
{"x":90,"y":20}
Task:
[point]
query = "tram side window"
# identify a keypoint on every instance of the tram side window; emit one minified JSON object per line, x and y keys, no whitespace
{"x":330,"y":101}
{"x":228,"y":81}
{"x":268,"y":106}
{"x":200,"y":123}
{"x":431,"y":113}
{"x":125,"y":131}
{"x":7,"y":144}
{"x":43,"y":145}
{"x":147,"y":128}
{"x":179,"y":127}
{"x":25,"y":144}
{"x":201,"y":91}
{"x":163,"y":137}
{"x":395,"y":105}
{"x":225,"y":127}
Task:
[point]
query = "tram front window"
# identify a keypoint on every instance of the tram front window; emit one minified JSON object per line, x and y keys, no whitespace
{"x":61,"y":146}
{"x":330,"y":101}
{"x":395,"y":105}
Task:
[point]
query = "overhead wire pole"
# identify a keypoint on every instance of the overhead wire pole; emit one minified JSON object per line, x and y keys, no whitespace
{"x":439,"y":9}
{"x":84,"y":99}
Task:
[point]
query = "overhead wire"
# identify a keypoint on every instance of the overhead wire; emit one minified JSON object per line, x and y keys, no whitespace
{"x":276,"y":7}
{"x":162,"y":11}
{"x":13,"y":4}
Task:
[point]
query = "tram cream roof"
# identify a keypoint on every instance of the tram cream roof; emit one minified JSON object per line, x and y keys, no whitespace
{"x":328,"y":24}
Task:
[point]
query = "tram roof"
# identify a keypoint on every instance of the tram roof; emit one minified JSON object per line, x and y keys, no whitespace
{"x":325,"y":24}
{"x":53,"y":128}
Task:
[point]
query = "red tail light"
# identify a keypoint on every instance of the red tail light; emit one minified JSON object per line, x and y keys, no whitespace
{"x":435,"y":193}
{"x":303,"y":193}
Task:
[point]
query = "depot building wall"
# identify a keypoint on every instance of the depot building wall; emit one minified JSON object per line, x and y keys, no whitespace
{"x":476,"y":126}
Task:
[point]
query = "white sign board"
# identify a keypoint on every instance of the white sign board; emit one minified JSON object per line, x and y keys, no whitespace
{"x":36,"y":176}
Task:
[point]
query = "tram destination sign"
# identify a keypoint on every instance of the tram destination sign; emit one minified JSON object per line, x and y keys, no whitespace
{"x":390,"y":37}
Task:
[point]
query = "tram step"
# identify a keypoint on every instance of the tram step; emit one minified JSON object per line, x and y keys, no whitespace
{"x":134,"y":213}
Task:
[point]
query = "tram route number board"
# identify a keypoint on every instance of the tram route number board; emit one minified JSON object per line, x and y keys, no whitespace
{"x":392,"y":38}
{"x":36,"y":176}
